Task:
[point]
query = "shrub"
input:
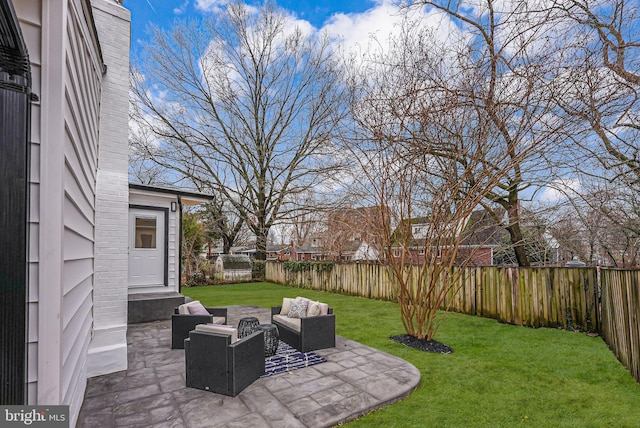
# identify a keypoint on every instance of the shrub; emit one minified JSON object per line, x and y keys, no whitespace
{"x":294,"y":266}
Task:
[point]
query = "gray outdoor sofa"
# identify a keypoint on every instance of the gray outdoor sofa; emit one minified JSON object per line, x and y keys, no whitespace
{"x":306,"y":331}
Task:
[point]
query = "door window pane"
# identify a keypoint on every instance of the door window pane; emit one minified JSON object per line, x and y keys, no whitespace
{"x":145,"y":232}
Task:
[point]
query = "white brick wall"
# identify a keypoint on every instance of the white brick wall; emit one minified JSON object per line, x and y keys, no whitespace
{"x":107,"y":351}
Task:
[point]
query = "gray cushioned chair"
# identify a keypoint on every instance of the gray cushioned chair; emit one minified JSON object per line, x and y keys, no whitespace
{"x":182,"y":324}
{"x":215,"y":364}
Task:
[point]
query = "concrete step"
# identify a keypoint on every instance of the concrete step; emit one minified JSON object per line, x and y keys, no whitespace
{"x":145,"y":307}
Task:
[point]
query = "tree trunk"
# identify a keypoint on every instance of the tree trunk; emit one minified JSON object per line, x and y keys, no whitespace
{"x":261,"y":244}
{"x":518,"y":245}
{"x":515,"y":232}
{"x":226,"y":244}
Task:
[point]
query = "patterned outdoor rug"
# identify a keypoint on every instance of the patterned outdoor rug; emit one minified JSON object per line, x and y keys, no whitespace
{"x":288,"y":359}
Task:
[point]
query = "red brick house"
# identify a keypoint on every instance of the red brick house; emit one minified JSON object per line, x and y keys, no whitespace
{"x":480,"y":237}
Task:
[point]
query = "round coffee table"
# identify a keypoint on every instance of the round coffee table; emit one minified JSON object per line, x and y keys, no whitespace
{"x":271,"y":336}
{"x":247,"y":325}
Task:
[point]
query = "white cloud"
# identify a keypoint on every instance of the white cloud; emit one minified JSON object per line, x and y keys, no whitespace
{"x":292,"y":24}
{"x":181,"y":9}
{"x":372,"y":29}
{"x":210,"y":5}
{"x":356,"y":30}
{"x":559,"y":189}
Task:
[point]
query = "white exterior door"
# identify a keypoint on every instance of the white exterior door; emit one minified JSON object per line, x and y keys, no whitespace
{"x":146,"y":247}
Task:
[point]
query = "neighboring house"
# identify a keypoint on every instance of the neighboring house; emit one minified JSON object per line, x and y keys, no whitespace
{"x":248,"y":250}
{"x":353,"y":234}
{"x":77,"y":58}
{"x":481,"y":236}
{"x":349,"y":235}
{"x":417,"y":229}
{"x":278,"y":252}
{"x":307,"y":253}
{"x":479,"y":239}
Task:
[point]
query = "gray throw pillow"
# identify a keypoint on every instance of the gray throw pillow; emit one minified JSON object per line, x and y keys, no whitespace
{"x":298,"y":309}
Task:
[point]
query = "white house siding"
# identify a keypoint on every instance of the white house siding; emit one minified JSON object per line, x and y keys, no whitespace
{"x":67,"y":76}
{"x":108,"y":349}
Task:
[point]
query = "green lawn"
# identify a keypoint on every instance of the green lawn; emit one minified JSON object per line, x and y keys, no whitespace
{"x":498,"y":376}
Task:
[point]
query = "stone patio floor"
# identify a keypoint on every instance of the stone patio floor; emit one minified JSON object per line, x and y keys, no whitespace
{"x":354,"y":381}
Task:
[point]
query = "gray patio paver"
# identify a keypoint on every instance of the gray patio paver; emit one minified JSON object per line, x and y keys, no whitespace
{"x":355,"y":380}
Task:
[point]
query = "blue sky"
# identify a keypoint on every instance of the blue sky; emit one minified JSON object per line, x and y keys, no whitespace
{"x":353,"y":21}
{"x":316,"y":12}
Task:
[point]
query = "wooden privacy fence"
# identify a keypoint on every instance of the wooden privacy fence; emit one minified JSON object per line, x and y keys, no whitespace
{"x":535,"y":297}
{"x":620,"y":312}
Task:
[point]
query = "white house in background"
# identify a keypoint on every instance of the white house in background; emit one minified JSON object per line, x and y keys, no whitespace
{"x":366,"y":252}
{"x":75,"y":319}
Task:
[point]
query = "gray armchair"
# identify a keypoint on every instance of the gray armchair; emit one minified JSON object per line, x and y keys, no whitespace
{"x":182,"y":324}
{"x":216,"y":364}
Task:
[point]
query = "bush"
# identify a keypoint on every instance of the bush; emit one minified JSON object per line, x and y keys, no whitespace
{"x":198,"y":278}
{"x":294,"y":266}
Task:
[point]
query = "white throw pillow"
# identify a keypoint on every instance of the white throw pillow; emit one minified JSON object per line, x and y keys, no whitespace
{"x":286,"y":305}
{"x":313,"y":310}
{"x":324,"y":308}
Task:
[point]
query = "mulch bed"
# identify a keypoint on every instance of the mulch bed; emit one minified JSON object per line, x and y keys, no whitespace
{"x":422,"y":345}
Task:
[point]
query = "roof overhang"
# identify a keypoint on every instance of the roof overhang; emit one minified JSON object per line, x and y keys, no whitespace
{"x":186,"y":197}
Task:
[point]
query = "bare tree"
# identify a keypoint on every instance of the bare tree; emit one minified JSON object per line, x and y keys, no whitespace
{"x":303,"y":226}
{"x":304,"y":220}
{"x":598,"y":87}
{"x":143,"y":171}
{"x":421,"y":265}
{"x":537,"y":241}
{"x":574,"y":236}
{"x":495,"y":69}
{"x":245,"y":104}
{"x":420,"y":152}
{"x":141,"y":140}
{"x":222,"y":224}
{"x":599,"y":224}
{"x":610,"y":220}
